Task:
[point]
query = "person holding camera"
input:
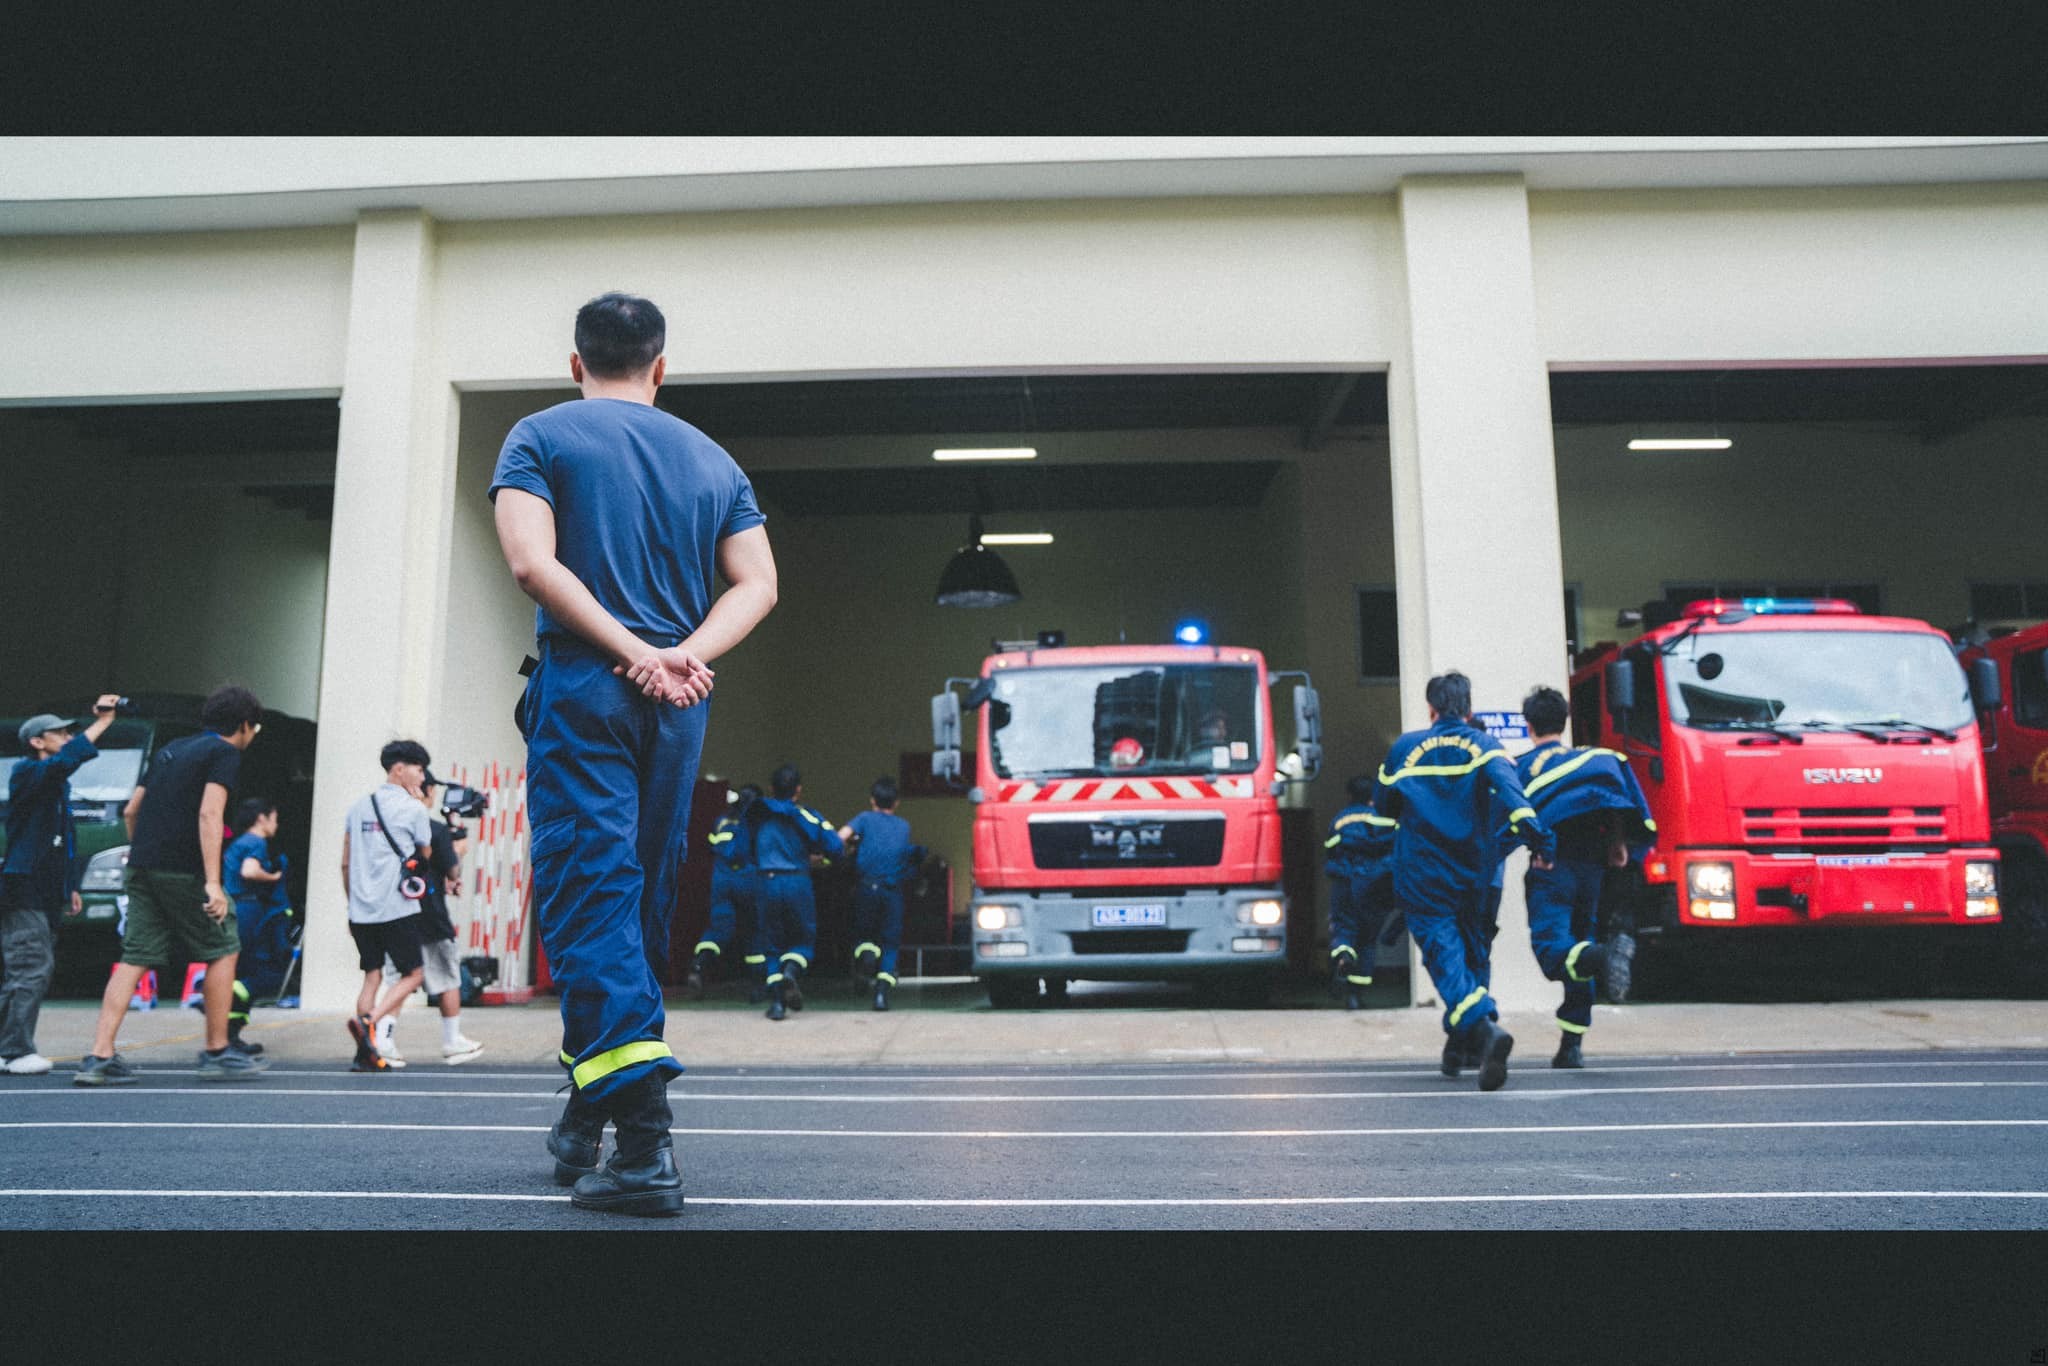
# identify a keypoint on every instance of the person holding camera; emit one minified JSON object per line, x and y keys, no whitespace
{"x":441,"y":956}
{"x":386,"y":849}
{"x":37,"y":885}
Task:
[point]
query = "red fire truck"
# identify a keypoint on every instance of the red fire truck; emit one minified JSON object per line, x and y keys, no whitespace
{"x":1807,"y":765}
{"x":2016,"y":771}
{"x":1127,"y":822}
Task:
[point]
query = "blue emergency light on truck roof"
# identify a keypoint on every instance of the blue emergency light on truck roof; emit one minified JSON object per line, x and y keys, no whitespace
{"x":1781,"y":607}
{"x":1191,"y":632}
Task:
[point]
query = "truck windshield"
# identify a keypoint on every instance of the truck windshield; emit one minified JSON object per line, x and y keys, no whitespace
{"x":110,"y":777}
{"x":1121,"y":720}
{"x":1789,"y":678}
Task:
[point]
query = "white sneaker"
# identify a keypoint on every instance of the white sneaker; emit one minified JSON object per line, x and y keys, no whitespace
{"x":27,"y":1065}
{"x":462,"y":1050}
{"x":388,"y":1050}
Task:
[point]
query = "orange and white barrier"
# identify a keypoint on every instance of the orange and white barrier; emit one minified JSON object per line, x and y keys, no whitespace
{"x":493,"y":914}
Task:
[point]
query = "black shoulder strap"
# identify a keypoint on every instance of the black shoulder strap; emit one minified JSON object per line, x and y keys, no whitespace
{"x":402,"y":855}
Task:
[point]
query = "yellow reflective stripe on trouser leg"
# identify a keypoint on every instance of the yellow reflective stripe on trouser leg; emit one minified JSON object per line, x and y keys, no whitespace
{"x":801,"y":961}
{"x":1467,"y":1004}
{"x":1568,"y":1027}
{"x":865,"y":947}
{"x":888,"y":977}
{"x":706,"y":946}
{"x":611,"y":1060}
{"x":1341,"y":949}
{"x":567,"y":1059}
{"x":756,"y":958}
{"x":773,"y":978}
{"x":1571,"y":961}
{"x":1359,"y":981}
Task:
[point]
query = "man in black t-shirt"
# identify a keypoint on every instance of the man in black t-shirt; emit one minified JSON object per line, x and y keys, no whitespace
{"x":175,"y":897}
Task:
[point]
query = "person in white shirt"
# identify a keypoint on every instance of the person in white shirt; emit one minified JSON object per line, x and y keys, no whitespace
{"x":385,"y":853}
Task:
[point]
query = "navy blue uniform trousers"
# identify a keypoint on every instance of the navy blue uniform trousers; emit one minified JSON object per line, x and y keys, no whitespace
{"x":735,"y":926}
{"x":1456,"y":950}
{"x":789,"y":914}
{"x":1356,"y":920}
{"x":1564,"y":906}
{"x":878,"y":923}
{"x":608,"y":780}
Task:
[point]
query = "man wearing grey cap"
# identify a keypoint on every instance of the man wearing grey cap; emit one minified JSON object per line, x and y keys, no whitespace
{"x":36,"y":881}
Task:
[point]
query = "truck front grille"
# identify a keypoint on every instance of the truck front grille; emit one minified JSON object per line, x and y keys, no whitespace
{"x":1113,"y":842}
{"x":1836,"y":827}
{"x":1130,"y":941}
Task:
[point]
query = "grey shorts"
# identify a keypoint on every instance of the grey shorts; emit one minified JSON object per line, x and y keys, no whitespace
{"x":442,"y":959}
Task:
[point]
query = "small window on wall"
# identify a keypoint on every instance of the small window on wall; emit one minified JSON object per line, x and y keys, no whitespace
{"x":2005,"y":601}
{"x":2030,"y":689}
{"x":1868,"y":597}
{"x":1571,"y":619}
{"x":1379,"y":636}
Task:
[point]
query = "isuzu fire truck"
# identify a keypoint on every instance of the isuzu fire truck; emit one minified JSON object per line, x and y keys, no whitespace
{"x":1806,"y":764}
{"x":2016,"y":770}
{"x":1127,"y":822}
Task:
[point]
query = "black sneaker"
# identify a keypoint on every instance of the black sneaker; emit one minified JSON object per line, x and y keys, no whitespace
{"x":367,"y":1059}
{"x":114,"y":1071}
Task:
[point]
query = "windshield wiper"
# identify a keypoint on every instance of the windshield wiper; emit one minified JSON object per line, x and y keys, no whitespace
{"x":1845,"y":728}
{"x":1894,"y":723}
{"x":1761,"y":727}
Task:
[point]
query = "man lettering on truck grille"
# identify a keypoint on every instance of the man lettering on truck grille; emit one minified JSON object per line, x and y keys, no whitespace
{"x":1596,"y":807}
{"x":1438,"y":784}
{"x":616,"y":517}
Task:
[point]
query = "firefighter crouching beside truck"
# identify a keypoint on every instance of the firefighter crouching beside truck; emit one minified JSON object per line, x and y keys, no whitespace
{"x":1592,"y":802}
{"x":1437,"y":783}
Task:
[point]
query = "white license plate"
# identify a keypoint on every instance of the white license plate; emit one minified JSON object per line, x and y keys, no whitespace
{"x":1854,"y":861}
{"x":1154,"y":914}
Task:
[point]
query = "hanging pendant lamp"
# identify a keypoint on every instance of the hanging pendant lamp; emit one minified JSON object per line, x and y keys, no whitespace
{"x":976,"y":576}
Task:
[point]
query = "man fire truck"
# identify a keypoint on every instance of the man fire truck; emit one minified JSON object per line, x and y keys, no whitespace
{"x":1806,"y":764}
{"x":2016,"y":772}
{"x":1126,"y":821}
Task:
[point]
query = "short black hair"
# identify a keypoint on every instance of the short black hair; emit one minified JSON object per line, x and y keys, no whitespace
{"x":250,"y":810}
{"x":1545,"y":711}
{"x":784,"y":782}
{"x":884,"y":793}
{"x":403,"y":752}
{"x":227,"y":709}
{"x":1359,"y":789}
{"x":1450,"y":693}
{"x":619,"y":335}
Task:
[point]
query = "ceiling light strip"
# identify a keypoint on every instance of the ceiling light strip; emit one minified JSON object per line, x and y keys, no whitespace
{"x":1681,"y":443}
{"x":987,"y":453}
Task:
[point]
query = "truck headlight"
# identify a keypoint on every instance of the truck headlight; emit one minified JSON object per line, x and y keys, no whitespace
{"x":993,"y":917}
{"x":1265,"y":912}
{"x":1714,"y":881}
{"x":106,"y":871}
{"x":1980,"y":879}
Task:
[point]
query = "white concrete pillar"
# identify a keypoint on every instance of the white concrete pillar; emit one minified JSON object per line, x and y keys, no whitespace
{"x":1479,"y":571}
{"x":387,"y":570}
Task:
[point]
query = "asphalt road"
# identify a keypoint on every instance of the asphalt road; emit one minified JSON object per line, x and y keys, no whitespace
{"x":1946,"y":1141}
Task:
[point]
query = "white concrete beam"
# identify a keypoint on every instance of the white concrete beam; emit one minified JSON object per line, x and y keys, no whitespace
{"x":1479,"y":571}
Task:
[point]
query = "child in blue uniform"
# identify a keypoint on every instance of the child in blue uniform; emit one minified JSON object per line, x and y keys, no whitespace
{"x":786,"y":834}
{"x":1593,"y":802}
{"x":885,"y":861}
{"x":1360,"y":844}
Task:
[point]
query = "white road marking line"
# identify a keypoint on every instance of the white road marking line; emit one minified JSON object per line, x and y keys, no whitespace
{"x":1025,"y":1202}
{"x":1463,"y":1092}
{"x":1609,"y":1069}
{"x":1435,"y":1130}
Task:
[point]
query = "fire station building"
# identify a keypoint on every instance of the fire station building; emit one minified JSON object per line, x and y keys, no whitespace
{"x":1364,"y":404}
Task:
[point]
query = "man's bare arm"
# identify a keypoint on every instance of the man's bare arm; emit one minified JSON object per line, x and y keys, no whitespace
{"x":526,"y":535}
{"x":213,"y":806}
{"x":747,"y":565}
{"x":128,"y":812}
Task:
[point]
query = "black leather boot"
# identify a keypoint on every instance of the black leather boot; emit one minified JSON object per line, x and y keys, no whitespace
{"x":700,"y":972}
{"x":575,"y":1139}
{"x":881,"y":995}
{"x":1619,"y":954}
{"x":1568,"y":1055}
{"x":777,"y":1008}
{"x":641,"y":1177}
{"x":1352,"y":1000}
{"x":866,"y":964}
{"x":1454,"y":1056}
{"x":1341,"y":967}
{"x":792,"y":985}
{"x":1492,"y":1044}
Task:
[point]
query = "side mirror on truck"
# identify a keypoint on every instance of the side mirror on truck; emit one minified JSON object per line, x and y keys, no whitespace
{"x":1985,"y":690}
{"x":1308,"y":729}
{"x":946,"y":735}
{"x":1621,"y":691}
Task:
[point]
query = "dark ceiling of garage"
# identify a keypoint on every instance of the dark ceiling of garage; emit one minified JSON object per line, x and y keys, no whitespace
{"x":1937,"y":400}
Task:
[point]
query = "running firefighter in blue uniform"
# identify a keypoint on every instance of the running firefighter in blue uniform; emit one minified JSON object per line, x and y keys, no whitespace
{"x":787,"y":834}
{"x":1359,"y":865}
{"x":884,"y":861}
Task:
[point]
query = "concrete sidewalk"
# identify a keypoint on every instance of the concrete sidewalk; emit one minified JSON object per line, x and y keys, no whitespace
{"x":935,"y":1025}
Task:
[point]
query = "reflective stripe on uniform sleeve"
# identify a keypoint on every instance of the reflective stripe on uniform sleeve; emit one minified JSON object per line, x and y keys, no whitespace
{"x":1333,"y":841}
{"x":1478,"y":993}
{"x":1552,"y":775}
{"x":611,"y":1060}
{"x":1516,"y":816}
{"x":1368,"y":817}
{"x":567,"y":1061}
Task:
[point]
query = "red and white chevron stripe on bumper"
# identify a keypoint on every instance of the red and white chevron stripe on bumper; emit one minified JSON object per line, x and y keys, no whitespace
{"x":1126,"y":789}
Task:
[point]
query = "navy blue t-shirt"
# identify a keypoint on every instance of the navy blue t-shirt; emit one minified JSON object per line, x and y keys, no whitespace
{"x":883,"y":854}
{"x":641,"y":501}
